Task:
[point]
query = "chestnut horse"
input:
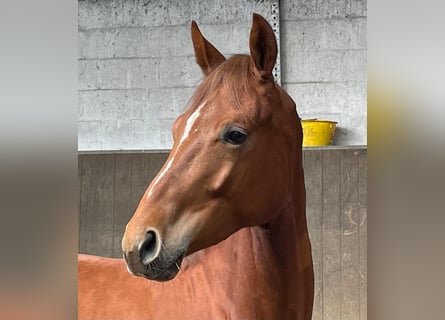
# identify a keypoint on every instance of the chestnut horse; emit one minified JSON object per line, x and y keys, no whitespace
{"x":222,"y":227}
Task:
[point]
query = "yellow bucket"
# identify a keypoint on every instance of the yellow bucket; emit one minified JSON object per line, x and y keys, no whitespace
{"x":318,"y":132}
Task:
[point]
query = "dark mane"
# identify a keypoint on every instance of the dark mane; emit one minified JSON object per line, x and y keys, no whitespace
{"x":233,"y":75}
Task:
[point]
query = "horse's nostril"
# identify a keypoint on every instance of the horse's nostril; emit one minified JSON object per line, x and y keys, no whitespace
{"x":148,"y":248}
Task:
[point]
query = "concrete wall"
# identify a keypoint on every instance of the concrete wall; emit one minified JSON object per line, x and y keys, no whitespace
{"x":136,"y":65}
{"x":323,"y":48}
{"x":137,"y":70}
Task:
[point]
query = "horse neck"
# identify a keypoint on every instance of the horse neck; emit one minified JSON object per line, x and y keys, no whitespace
{"x":275,"y":259}
{"x":290,"y":242}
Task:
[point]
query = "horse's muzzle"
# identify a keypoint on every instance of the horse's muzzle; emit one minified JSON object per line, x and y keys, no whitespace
{"x":149,"y":260}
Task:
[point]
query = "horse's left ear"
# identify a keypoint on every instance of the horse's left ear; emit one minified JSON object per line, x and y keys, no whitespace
{"x":263,"y":48}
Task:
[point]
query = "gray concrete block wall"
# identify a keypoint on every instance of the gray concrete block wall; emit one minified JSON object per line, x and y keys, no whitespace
{"x":137,"y":69}
{"x":136,"y":65}
{"x":323,"y":59}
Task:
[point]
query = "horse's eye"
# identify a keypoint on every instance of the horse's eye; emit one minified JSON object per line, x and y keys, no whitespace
{"x":234,"y":135}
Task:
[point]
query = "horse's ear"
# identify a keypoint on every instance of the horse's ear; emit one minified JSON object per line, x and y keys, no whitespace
{"x":207,"y":56}
{"x":263,"y":48}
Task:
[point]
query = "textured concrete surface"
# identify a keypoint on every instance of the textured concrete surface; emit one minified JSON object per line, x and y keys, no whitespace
{"x":323,"y":59}
{"x":137,"y":70}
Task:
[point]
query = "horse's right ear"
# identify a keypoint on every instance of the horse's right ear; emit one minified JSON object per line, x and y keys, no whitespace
{"x":207,"y":56}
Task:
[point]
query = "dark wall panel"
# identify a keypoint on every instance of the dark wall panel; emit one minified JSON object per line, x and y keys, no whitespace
{"x":111,"y":186}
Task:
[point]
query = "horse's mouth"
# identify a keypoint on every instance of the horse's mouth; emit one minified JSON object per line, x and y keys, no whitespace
{"x":159,"y":273}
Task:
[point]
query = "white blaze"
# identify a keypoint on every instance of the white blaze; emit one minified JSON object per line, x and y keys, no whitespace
{"x":190,"y":122}
{"x":188,"y":127}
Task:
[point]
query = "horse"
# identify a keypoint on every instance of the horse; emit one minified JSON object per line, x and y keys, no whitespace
{"x":221,"y":230}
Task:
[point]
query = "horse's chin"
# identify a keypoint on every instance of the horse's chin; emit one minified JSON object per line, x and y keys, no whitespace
{"x":167,"y":274}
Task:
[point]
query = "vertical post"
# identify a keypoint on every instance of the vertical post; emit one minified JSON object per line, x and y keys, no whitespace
{"x":275,"y":16}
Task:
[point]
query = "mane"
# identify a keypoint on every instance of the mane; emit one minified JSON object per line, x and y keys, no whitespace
{"x":233,"y":75}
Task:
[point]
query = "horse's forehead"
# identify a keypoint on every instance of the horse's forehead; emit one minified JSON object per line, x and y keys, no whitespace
{"x":213,"y":111}
{"x":243,"y":102}
{"x":213,"y":114}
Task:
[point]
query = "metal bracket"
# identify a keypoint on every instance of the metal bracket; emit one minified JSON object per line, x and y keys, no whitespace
{"x":275,"y":16}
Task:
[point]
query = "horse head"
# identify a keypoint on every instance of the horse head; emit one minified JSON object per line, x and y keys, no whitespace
{"x":231,"y":165}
